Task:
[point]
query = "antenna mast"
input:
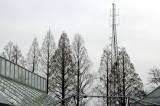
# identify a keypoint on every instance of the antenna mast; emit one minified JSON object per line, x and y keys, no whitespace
{"x":114,"y":50}
{"x":114,"y":46}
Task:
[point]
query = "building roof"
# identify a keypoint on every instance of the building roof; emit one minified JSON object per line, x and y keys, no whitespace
{"x":3,"y":101}
{"x":152,"y":99}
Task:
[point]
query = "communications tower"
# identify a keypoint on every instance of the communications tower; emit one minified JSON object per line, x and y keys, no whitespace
{"x":114,"y":50}
{"x":114,"y":46}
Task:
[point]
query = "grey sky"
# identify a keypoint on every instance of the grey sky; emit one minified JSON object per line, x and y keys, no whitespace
{"x":22,"y":20}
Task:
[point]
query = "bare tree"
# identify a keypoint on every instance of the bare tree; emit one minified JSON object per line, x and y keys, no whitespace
{"x":154,"y":77}
{"x":17,"y":56}
{"x":127,"y":81}
{"x":7,"y":53}
{"x":82,"y":62}
{"x":33,"y":57}
{"x":63,"y":71}
{"x":47,"y":51}
{"x":131,"y":83}
{"x":105,"y":85}
{"x":13,"y":53}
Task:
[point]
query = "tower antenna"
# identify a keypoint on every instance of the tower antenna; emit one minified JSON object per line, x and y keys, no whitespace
{"x":114,"y":45}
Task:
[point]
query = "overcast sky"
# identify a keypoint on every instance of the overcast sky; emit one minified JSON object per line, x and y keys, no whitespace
{"x":23,"y":20}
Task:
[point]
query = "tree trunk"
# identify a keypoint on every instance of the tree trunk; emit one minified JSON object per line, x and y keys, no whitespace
{"x":123,"y":83}
{"x":63,"y":73}
{"x":107,"y":82}
{"x":48,"y":72}
{"x":78,"y":86}
{"x":78,"y":69}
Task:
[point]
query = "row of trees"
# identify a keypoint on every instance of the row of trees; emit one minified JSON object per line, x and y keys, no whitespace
{"x":65,"y":67}
{"x":70,"y":67}
{"x":13,"y":53}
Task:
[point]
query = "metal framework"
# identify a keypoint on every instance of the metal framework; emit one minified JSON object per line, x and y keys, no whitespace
{"x":114,"y":46}
{"x":114,"y":50}
{"x":152,"y":97}
{"x":22,"y":87}
{"x":23,"y":95}
{"x":21,"y":75}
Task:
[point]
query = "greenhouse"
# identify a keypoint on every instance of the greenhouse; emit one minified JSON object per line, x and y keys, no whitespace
{"x":22,"y":87}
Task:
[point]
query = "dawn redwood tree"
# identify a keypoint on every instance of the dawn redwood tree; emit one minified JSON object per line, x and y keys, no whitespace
{"x":13,"y":53}
{"x":47,"y":51}
{"x":17,"y":56}
{"x":127,"y":81}
{"x":8,"y":51}
{"x":63,"y":71}
{"x":33,"y":57}
{"x":131,"y":84}
{"x":82,"y":64}
{"x":105,"y":85}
